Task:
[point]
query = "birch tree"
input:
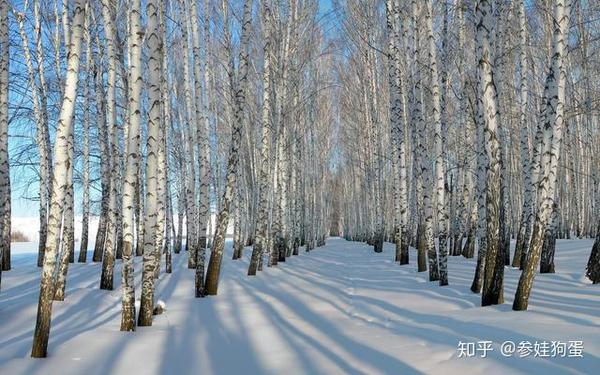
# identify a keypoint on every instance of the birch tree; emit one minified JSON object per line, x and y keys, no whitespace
{"x":131,"y":164}
{"x":108,"y":260}
{"x":551,"y":131}
{"x":593,"y":264}
{"x":494,"y":266}
{"x":214,"y":265}
{"x":39,"y":103}
{"x":524,"y":233}
{"x":59,"y":184}
{"x":87,"y":94}
{"x":192,"y":211}
{"x":438,"y":151}
{"x":155,"y":45}
{"x":260,"y":237}
{"x":201,"y":106}
{"x":5,"y":227}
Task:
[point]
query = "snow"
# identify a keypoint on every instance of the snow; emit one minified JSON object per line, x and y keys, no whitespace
{"x":161,"y":304}
{"x":342,"y":309}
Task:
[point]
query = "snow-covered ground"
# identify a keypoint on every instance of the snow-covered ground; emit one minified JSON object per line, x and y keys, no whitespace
{"x":341,"y":309}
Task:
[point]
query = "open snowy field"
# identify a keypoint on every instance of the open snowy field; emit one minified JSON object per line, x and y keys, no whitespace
{"x":341,"y":309}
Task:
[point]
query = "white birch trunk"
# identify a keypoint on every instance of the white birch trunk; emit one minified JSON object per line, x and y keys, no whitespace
{"x":108,"y":260}
{"x":192,"y":211}
{"x":68,"y":229}
{"x":552,"y":128}
{"x":214,"y":266}
{"x":438,"y":150}
{"x":201,"y":106}
{"x":41,"y":121}
{"x":487,"y":97}
{"x":132,"y":166}
{"x":59,"y":185}
{"x":260,"y":236}
{"x":83,"y":247}
{"x":154,"y":40}
{"x":5,"y":211}
{"x":524,"y":233}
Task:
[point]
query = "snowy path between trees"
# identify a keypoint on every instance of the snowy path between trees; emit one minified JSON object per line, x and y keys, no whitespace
{"x":340,"y":309}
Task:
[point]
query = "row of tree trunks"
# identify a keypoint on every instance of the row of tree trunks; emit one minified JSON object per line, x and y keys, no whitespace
{"x":321,"y":148}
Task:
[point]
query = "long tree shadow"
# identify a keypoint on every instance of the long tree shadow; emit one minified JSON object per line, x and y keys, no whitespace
{"x":227,"y":351}
{"x":454,"y":330}
{"x":372,"y":357}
